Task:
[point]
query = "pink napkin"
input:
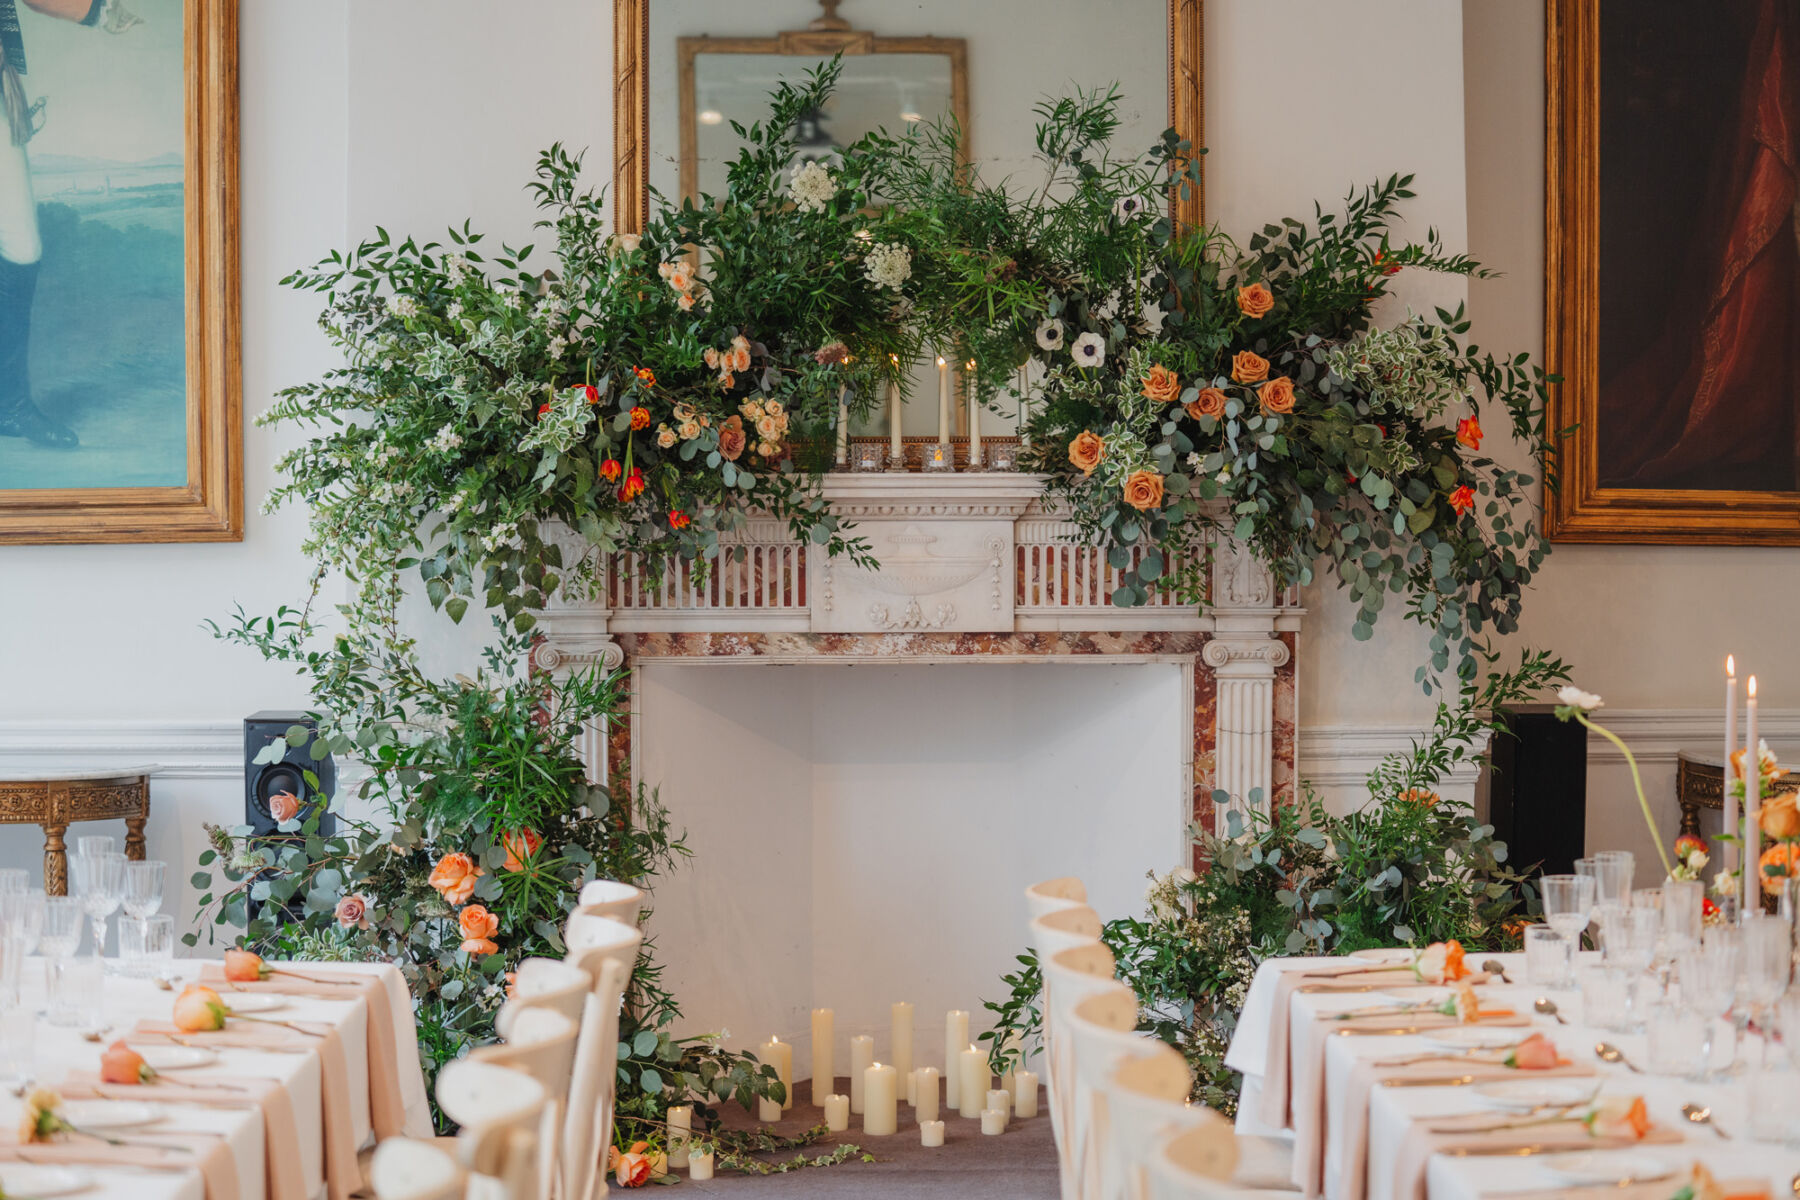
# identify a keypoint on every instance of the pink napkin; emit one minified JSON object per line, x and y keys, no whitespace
{"x":283,"y":1175}
{"x":1418,"y":1144}
{"x":387,"y":1110}
{"x":1274,"y":1110}
{"x":208,"y":1155}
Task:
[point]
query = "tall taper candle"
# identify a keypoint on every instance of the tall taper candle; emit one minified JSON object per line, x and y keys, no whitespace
{"x":956,"y":1036}
{"x":862,"y":1056}
{"x":900,"y":1045}
{"x":974,"y":417}
{"x":972,"y":1084}
{"x":944,"y":417}
{"x":843,"y":429}
{"x":1731,"y":800}
{"x":824,"y":1066}
{"x":1752,"y":894}
{"x":881,"y":1100}
{"x":896,"y":448}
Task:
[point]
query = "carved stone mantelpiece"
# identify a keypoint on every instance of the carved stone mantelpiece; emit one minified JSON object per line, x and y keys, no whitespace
{"x":970,"y":566}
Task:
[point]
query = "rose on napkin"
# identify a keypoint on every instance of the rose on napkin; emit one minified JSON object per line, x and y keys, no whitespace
{"x":122,"y":1064}
{"x":1440,"y":962}
{"x":199,"y":1009}
{"x":1700,"y":1185}
{"x":244,"y":966}
{"x":1463,"y":1005}
{"x":1619,"y":1118}
{"x":632,"y":1168}
{"x":1535,"y":1053}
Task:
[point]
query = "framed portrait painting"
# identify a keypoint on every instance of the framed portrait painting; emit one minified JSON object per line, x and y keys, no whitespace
{"x":120,"y":412}
{"x":1672,"y":269}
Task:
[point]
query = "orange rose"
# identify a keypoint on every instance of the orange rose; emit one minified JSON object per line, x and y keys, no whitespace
{"x":122,"y":1064}
{"x":1468,"y":432}
{"x":1144,"y":490}
{"x":1781,"y":816}
{"x":1783,"y":860}
{"x":1420,"y":796}
{"x":199,"y":1010}
{"x":732,"y":439}
{"x":1255,"y":301}
{"x":1277,"y":395}
{"x":1462,"y":499}
{"x":1248,"y":367}
{"x":1162,"y":385}
{"x":454,"y":877}
{"x":1209,"y":403}
{"x":632,"y":1168}
{"x":1535,"y":1053}
{"x":1085,"y":451}
{"x":520,"y":845}
{"x":284,"y":807}
{"x":478,"y":927}
{"x":243,"y":966}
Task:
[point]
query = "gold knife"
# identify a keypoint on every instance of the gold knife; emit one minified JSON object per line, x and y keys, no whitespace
{"x":1434,"y":1081}
{"x":1526,"y":1149}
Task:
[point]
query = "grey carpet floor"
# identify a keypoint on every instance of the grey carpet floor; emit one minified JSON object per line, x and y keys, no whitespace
{"x":1020,"y":1164}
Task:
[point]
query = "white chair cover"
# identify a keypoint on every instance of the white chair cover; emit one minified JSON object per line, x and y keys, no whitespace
{"x":1102,"y":1030}
{"x":545,"y":983}
{"x":1073,"y":973}
{"x":1147,"y":1102}
{"x":610,"y":898}
{"x":541,"y":1044}
{"x":1196,"y":1165}
{"x":1042,"y":899}
{"x":607,"y":950}
{"x":500,"y":1110}
{"x":404,"y":1169}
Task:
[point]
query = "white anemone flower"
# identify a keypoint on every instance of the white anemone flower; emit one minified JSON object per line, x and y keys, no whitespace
{"x":1050,"y":334}
{"x":1573,"y":697}
{"x":1089,"y":350}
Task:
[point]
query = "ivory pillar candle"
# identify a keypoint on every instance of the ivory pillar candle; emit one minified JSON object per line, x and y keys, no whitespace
{"x":700,"y":1165}
{"x":681,"y":1124}
{"x":824,"y":1081}
{"x":1751,"y":901}
{"x":972,"y":1082}
{"x":843,"y":429}
{"x":1000,"y":1099}
{"x":1731,"y":801}
{"x":837,"y":1113}
{"x":993,"y":1122}
{"x":900,"y":1045}
{"x":925,"y":1090}
{"x":1012,"y":1053}
{"x":1025,"y":1097}
{"x":931,"y":1133}
{"x":881,"y":1100}
{"x":944,"y":417}
{"x":956,"y":1036}
{"x":862,"y":1056}
{"x":974,"y":416}
{"x":780,"y":1055}
{"x":767,"y":1110}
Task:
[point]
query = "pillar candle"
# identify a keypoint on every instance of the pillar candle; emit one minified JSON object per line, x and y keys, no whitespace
{"x":1025,"y":1097}
{"x":780,"y":1055}
{"x":700,"y":1165}
{"x":1731,"y":801}
{"x":1001,"y":1099}
{"x":837,"y":1113}
{"x":862,"y":1056}
{"x":943,"y":402}
{"x":1010,"y":1049}
{"x":993,"y":1122}
{"x":824,"y":1066}
{"x":926,"y":1093}
{"x":681,"y":1123}
{"x":900,"y":1047}
{"x":843,"y":429}
{"x":881,"y":1100}
{"x":931,"y":1133}
{"x":767,"y":1110}
{"x":974,"y":416}
{"x":973,"y":1085}
{"x":1752,"y":894}
{"x":956,"y":1036}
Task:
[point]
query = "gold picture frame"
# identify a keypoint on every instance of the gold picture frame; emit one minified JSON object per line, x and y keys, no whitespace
{"x":631,"y":96}
{"x":209,"y":507}
{"x":1581,"y":509}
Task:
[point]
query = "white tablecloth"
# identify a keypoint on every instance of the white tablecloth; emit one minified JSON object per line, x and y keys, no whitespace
{"x":129,"y":1001}
{"x":1393,"y":1110}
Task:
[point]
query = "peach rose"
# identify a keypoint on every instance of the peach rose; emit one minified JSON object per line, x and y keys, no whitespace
{"x":632,"y":1168}
{"x":1781,"y":816}
{"x":1162,"y":385}
{"x":520,"y":845}
{"x":121,"y":1064}
{"x":352,"y":912}
{"x":1783,"y":860}
{"x":478,"y":927}
{"x":1441,"y":962}
{"x":1255,"y":301}
{"x":245,"y":966}
{"x":454,"y":877}
{"x":1086,"y":450}
{"x":284,"y":807}
{"x":1249,"y":367}
{"x":1423,"y":797}
{"x":1144,"y":490}
{"x":1621,"y":1118}
{"x":1209,"y":403}
{"x":199,"y":1010}
{"x":1535,"y":1053}
{"x":732,"y":439}
{"x":1277,"y":395}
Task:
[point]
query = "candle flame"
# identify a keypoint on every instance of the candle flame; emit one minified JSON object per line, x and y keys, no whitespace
{"x":1730,"y":667}
{"x":1753,"y":687}
{"x":894,"y":358}
{"x":971,"y":364}
{"x":940,"y":360}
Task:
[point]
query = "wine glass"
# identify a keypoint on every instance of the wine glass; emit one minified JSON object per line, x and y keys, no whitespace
{"x":95,"y":844}
{"x":14,"y":879}
{"x":1709,"y":987}
{"x":1768,"y":964}
{"x":1568,"y":903}
{"x":22,"y":921}
{"x":144,"y":887}
{"x":1682,"y":904}
{"x":100,"y":879}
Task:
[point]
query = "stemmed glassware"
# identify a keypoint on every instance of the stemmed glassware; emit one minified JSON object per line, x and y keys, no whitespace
{"x":14,"y":879}
{"x":1709,"y":987}
{"x":1568,"y":904}
{"x":22,"y":923}
{"x":143,"y":897}
{"x":100,"y":880}
{"x":1767,"y":968}
{"x":60,"y":938}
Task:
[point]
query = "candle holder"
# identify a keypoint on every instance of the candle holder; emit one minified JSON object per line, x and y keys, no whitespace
{"x":867,"y":456}
{"x":1001,"y":456}
{"x":939,"y":456}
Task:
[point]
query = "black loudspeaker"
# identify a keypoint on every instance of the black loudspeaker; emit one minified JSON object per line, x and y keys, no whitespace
{"x":263,"y":780}
{"x":1537,"y":793}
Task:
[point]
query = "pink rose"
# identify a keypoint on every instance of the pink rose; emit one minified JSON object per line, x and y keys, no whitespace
{"x":284,"y":807}
{"x":352,"y":911}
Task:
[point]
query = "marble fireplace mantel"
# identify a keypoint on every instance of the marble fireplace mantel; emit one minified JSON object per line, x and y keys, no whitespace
{"x":976,"y":567}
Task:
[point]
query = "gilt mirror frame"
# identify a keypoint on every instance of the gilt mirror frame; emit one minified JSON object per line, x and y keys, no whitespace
{"x":209,"y":507}
{"x":631,"y":92}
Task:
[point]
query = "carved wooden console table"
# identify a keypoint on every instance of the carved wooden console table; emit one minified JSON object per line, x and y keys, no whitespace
{"x":974,"y":567}
{"x":1700,"y":783}
{"x":57,"y":801}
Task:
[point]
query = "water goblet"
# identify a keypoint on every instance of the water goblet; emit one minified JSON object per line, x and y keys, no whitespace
{"x":1568,"y":903}
{"x":95,"y":844}
{"x":13,"y":880}
{"x":1549,"y":957}
{"x":158,"y":944}
{"x":1709,"y":987}
{"x":144,"y":887}
{"x":100,"y":880}
{"x":1767,"y":963}
{"x":1614,"y":872}
{"x":1681,"y":908}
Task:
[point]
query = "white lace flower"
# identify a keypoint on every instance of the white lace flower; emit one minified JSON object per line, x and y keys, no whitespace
{"x":445,"y":440}
{"x":1089,"y":350}
{"x":556,"y":347}
{"x":812,"y":187}
{"x":403,"y":306}
{"x":455,"y":310}
{"x":1050,"y":334}
{"x":457,"y":268}
{"x":888,"y":265}
{"x":1573,"y":697}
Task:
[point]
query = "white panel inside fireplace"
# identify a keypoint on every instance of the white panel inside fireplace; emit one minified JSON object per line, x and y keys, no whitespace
{"x":862,"y":834}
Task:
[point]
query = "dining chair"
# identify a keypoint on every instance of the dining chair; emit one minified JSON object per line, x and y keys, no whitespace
{"x":607,"y":951}
{"x":499,"y":1110}
{"x":1147,"y":1103}
{"x":610,"y":898}
{"x":545,"y":983}
{"x":1102,"y":1031}
{"x":1197,"y":1165}
{"x":1042,"y":899}
{"x":1071,"y":974}
{"x":540,"y":1043}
